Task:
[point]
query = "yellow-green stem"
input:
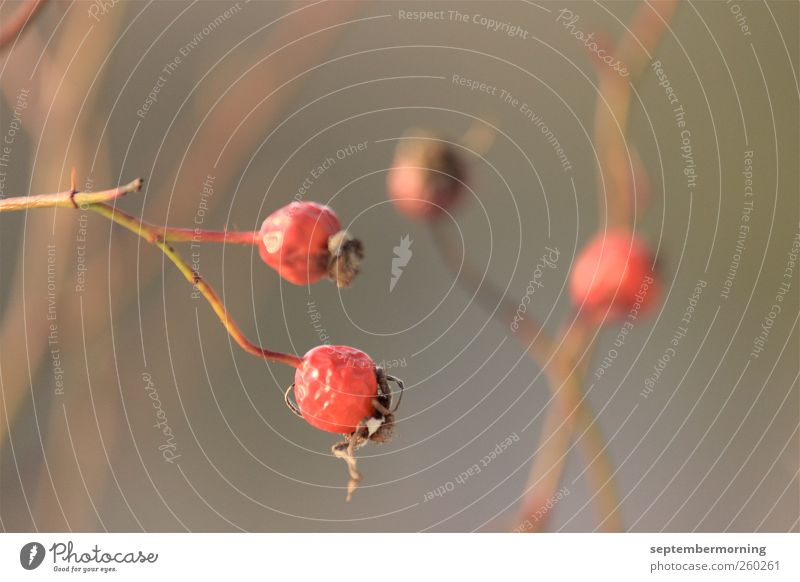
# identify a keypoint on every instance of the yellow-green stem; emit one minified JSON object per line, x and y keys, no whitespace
{"x":154,"y":236}
{"x":68,"y":198}
{"x":160,"y":237}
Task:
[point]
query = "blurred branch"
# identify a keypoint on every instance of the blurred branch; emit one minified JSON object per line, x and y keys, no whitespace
{"x":570,"y":416}
{"x":612,"y":114}
{"x":57,"y":132}
{"x":646,"y":30}
{"x":153,"y":235}
{"x":13,"y":28}
{"x":622,"y":188}
{"x":571,"y":411}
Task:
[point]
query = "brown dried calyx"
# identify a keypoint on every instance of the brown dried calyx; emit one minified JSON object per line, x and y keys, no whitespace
{"x":378,"y":428}
{"x":346,"y":254}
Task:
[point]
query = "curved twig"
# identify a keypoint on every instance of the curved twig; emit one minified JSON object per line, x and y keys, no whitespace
{"x":98,"y":202}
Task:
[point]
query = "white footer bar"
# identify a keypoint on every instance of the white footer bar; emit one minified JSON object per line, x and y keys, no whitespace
{"x":388,"y":557}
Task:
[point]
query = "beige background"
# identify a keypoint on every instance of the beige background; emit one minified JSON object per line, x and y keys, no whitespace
{"x":261,"y":101}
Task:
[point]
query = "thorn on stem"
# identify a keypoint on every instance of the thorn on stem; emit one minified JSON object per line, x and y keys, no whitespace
{"x":73,"y":189}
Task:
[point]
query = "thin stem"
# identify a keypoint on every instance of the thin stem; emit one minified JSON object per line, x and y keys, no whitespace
{"x":74,"y":199}
{"x":159,"y":236}
{"x":154,"y":236}
{"x":171,"y":234}
{"x":571,"y":411}
{"x":68,"y":198}
{"x":18,"y":21}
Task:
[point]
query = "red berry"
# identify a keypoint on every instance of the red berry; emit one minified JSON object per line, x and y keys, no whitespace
{"x":427,"y":176}
{"x":612,"y":274}
{"x":304,"y":242}
{"x":335,"y":388}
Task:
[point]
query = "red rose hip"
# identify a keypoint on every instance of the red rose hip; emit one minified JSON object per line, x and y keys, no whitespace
{"x":304,"y":242}
{"x":427,"y":176}
{"x":336,"y":387}
{"x":339,"y":389}
{"x":612,"y":274}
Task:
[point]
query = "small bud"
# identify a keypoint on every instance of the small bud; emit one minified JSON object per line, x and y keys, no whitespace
{"x":427,"y":176}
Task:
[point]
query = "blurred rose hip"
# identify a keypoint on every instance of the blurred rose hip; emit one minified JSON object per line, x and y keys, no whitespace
{"x":427,"y":176}
{"x":304,"y":242}
{"x":612,"y":274}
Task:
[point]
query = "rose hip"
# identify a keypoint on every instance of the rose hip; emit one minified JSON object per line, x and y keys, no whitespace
{"x":335,"y":388}
{"x":611,"y":274}
{"x":339,"y":389}
{"x":304,"y":242}
{"x":427,"y":176}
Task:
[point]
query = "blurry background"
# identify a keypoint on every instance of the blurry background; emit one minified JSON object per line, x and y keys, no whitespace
{"x":251,"y":98}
